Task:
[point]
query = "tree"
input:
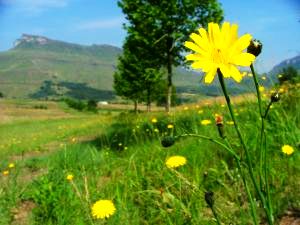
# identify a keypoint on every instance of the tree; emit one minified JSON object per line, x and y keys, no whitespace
{"x":164,"y":24}
{"x":136,"y":79}
{"x":288,"y":74}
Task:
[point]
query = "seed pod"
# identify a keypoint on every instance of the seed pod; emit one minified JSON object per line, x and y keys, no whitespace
{"x":168,"y":141}
{"x":209,"y":198}
{"x":255,"y":47}
{"x":275,"y":97}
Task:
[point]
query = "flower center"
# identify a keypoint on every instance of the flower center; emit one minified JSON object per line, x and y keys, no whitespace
{"x":218,"y":57}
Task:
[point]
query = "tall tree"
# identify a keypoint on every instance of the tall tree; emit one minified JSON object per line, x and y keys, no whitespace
{"x":163,"y":24}
{"x":137,"y":79}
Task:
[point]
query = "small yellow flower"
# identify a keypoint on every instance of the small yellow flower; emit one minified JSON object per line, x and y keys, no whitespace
{"x":186,"y":108}
{"x":281,"y":90}
{"x":70,"y":177}
{"x":154,"y":120}
{"x":279,"y":75}
{"x":197,"y":106}
{"x":261,"y":88}
{"x":156,"y":130}
{"x":125,"y":148}
{"x":5,"y":172}
{"x":250,"y":75}
{"x":103,"y":209}
{"x":200,"y":111}
{"x":175,"y":161}
{"x":170,"y":126}
{"x":205,"y":122}
{"x":264,"y":95}
{"x":230,"y":122}
{"x":73,"y":140}
{"x":264,"y":77}
{"x":219,"y":48}
{"x":222,"y":105}
{"x":287,"y":149}
{"x":271,"y":107}
{"x":11,"y":165}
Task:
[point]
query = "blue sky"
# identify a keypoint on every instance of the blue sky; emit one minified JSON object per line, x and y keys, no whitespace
{"x":275,"y":22}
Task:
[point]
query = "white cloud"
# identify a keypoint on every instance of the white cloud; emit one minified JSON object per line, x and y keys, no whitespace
{"x":100,"y":24}
{"x":35,"y":6}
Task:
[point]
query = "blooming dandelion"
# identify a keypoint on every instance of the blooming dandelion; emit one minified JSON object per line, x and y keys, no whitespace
{"x":70,"y":177}
{"x":261,"y":88}
{"x":287,"y":149}
{"x":154,"y":120}
{"x":175,"y":161}
{"x":186,"y":108}
{"x":222,"y":105}
{"x":230,"y":122}
{"x":103,"y":209}
{"x":5,"y":173}
{"x":11,"y":165}
{"x":219,"y":49}
{"x":205,"y":122}
{"x":281,"y":90}
{"x":170,"y":126}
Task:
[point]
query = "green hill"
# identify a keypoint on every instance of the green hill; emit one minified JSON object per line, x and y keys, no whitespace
{"x":38,"y":67}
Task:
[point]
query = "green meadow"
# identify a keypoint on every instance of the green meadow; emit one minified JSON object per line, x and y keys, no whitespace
{"x":118,"y":155}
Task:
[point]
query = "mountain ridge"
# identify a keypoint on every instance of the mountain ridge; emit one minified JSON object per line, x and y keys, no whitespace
{"x":40,"y":67}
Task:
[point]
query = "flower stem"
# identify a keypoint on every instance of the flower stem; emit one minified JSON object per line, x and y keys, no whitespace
{"x":263,"y":152}
{"x":248,"y":158}
{"x":250,"y":198}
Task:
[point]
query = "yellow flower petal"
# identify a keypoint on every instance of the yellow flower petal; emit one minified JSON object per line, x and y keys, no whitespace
{"x":210,"y":75}
{"x":243,"y":59}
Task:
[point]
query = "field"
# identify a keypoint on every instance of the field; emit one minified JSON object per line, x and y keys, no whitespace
{"x":57,"y":162}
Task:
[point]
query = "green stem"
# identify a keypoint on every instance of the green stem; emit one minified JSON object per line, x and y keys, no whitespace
{"x":248,"y":158}
{"x":215,"y":215}
{"x":263,"y":152}
{"x":214,"y":141}
{"x":252,"y":204}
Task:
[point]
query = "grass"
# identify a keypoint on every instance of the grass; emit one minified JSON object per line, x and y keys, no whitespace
{"x":125,"y":163}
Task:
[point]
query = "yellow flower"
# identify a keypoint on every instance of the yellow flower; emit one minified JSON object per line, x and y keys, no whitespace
{"x":170,"y":126}
{"x":281,"y":90}
{"x":5,"y":173}
{"x":279,"y":75}
{"x":154,"y":120}
{"x":205,"y":122}
{"x":264,"y":77}
{"x":219,"y":49}
{"x":223,"y":106}
{"x":197,"y":106}
{"x":125,"y":148}
{"x":230,"y":122}
{"x":261,"y":88}
{"x":103,"y":209}
{"x":73,"y":140}
{"x":156,"y":130}
{"x":186,"y":108}
{"x":70,"y":177}
{"x":287,"y":149}
{"x":11,"y":165}
{"x":175,"y":161}
{"x":250,"y":75}
{"x":200,"y":111}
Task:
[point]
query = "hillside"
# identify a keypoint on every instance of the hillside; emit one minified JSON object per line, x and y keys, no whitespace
{"x":40,"y":68}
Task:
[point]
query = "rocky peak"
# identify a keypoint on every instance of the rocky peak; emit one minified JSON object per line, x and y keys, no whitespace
{"x":27,"y":38}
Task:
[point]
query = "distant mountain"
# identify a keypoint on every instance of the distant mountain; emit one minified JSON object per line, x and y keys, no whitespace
{"x":294,"y":62}
{"x":39,"y":67}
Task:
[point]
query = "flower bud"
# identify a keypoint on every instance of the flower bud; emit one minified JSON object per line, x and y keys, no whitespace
{"x":219,"y":123}
{"x":255,"y":47}
{"x":168,"y":141}
{"x":209,"y":198}
{"x":275,"y":97}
